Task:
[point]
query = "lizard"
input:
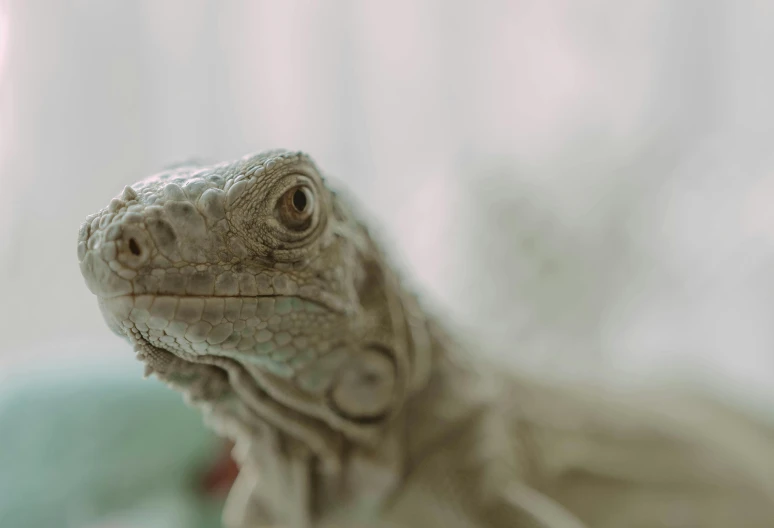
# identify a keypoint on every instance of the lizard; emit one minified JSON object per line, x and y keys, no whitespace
{"x":256,"y":289}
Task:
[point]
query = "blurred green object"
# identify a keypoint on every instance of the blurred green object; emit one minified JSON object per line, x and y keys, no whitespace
{"x":87,"y":446}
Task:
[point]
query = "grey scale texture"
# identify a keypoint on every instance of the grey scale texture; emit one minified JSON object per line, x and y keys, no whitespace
{"x":279,"y":317}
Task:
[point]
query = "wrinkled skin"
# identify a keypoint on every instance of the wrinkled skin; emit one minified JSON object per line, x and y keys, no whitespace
{"x":255,"y":290}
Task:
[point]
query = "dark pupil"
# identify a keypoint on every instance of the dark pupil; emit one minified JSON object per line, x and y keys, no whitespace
{"x":299,"y":200}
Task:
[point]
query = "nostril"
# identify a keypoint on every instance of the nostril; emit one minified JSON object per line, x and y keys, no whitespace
{"x":134,"y":247}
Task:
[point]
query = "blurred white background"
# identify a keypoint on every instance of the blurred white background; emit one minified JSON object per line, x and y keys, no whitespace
{"x":586,"y":186}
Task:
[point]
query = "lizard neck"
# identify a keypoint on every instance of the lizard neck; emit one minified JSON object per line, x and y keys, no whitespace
{"x":454,"y":396}
{"x":433,"y":386}
{"x":448,"y":405}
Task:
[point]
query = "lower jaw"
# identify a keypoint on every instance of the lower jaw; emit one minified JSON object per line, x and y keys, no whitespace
{"x":207,"y":379}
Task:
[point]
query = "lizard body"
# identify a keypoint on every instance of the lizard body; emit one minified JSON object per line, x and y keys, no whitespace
{"x":256,"y":291}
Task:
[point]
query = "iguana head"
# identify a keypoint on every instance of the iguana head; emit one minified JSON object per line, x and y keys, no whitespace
{"x":252,"y":281}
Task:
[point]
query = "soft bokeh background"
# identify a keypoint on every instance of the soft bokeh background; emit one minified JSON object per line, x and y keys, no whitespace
{"x":585,"y":186}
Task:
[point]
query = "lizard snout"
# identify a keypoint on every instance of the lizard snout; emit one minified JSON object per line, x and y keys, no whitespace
{"x":111,"y":254}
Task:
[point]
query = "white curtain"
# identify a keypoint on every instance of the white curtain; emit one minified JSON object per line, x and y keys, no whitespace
{"x":585,"y":186}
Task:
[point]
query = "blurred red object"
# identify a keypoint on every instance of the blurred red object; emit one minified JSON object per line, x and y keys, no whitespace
{"x":219,"y":478}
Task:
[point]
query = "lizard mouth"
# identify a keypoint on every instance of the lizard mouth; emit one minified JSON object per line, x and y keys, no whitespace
{"x":280,"y":333}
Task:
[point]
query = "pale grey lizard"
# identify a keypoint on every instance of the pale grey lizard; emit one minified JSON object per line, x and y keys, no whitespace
{"x":258,"y":292}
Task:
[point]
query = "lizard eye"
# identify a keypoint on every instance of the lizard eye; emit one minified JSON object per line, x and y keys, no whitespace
{"x":296,"y":208}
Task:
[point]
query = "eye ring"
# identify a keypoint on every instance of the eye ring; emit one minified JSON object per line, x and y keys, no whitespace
{"x":296,"y":207}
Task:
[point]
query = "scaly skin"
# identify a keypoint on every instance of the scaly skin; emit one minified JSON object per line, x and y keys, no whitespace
{"x":278,"y":316}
